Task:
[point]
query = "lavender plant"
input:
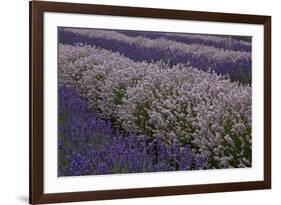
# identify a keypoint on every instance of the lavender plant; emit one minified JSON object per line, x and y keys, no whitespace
{"x":89,"y":145}
{"x":201,"y":109}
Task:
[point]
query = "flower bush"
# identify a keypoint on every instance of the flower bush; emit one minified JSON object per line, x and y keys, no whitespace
{"x":202,"y":109}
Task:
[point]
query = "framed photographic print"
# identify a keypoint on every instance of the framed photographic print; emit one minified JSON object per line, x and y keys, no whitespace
{"x":138,"y":102}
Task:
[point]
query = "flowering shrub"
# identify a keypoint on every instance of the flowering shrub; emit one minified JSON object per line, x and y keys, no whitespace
{"x":204,"y":110}
{"x":237,"y":64}
{"x":89,"y":145}
{"x":174,"y":105}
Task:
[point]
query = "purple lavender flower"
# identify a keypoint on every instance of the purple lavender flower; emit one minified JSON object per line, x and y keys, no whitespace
{"x":79,"y":165}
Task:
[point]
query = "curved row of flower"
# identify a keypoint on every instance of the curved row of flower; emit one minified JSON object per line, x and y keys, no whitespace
{"x":228,"y":43}
{"x":197,"y":108}
{"x":89,"y":145}
{"x":234,"y":63}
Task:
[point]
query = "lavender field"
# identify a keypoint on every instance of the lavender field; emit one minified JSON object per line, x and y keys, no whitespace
{"x":134,"y":101}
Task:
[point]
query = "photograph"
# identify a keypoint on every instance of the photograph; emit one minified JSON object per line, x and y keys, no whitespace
{"x":129,"y":102}
{"x":133,"y":101}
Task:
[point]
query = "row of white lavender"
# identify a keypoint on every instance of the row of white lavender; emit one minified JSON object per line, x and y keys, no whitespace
{"x":216,"y":39}
{"x":182,"y":103}
{"x":226,"y":42}
{"x":218,"y":54}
